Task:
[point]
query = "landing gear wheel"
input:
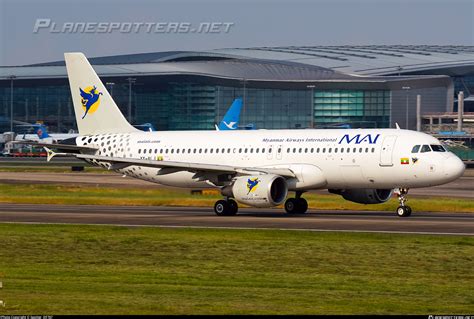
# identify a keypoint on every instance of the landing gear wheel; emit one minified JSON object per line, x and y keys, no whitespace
{"x":303,"y":205}
{"x":296,"y":206}
{"x":404,"y":211}
{"x":233,"y":207}
{"x":291,"y":206}
{"x":226,"y":207}
{"x":221,"y":207}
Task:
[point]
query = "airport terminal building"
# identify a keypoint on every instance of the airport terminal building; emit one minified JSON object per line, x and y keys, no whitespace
{"x":281,"y":87}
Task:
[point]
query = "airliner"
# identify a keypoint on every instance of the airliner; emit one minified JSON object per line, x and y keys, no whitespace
{"x":256,"y":168}
{"x":41,"y":133}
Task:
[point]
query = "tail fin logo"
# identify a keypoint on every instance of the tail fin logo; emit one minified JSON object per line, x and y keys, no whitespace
{"x":231,"y":125}
{"x":90,"y":99}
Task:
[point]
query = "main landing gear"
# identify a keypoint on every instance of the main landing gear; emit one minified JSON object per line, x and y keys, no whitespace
{"x":297,"y":205}
{"x":403,"y":210}
{"x":227,"y":207}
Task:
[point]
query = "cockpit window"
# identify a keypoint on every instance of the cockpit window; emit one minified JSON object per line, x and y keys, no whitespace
{"x":425,"y":148}
{"x":415,"y":149}
{"x":437,"y":148}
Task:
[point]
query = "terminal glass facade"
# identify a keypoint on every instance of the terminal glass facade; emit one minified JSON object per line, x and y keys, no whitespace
{"x":199,"y":105}
{"x":359,"y":108}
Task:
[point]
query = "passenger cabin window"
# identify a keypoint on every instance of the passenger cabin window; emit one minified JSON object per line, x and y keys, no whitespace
{"x":425,"y":149}
{"x":415,"y":149}
{"x":437,"y":148}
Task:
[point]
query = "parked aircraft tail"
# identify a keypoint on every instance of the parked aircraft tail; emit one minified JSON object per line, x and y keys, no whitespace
{"x":231,"y":118}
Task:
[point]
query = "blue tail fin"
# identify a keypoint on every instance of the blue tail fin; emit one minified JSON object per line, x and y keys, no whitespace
{"x":41,"y":131}
{"x":232,"y":117}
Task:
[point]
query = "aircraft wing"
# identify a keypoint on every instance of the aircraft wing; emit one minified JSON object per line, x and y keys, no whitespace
{"x":119,"y":163}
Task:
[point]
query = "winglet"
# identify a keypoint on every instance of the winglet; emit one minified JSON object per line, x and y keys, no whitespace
{"x":397,"y":126}
{"x":51,"y":153}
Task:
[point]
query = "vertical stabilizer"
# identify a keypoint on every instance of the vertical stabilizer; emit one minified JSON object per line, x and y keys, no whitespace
{"x":96,"y":111}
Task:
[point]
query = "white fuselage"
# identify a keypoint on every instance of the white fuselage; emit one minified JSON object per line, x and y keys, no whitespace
{"x":321,"y":159}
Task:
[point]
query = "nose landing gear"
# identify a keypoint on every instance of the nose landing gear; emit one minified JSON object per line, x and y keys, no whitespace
{"x":403,"y":210}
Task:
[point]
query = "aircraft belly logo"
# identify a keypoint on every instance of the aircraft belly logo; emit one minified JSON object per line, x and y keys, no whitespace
{"x":252,"y":184}
{"x":90,"y":99}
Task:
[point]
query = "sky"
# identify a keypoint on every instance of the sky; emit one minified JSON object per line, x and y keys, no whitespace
{"x":251,"y":23}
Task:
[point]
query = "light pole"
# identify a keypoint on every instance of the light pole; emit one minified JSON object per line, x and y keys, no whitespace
{"x":244,"y":104}
{"x":111,"y":88}
{"x":406,"y":88}
{"x":312,"y":104}
{"x":11,"y":77}
{"x":129,"y":111}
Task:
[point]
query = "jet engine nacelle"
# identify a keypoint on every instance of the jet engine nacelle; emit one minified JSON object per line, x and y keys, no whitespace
{"x":365,"y":195}
{"x":260,"y":190}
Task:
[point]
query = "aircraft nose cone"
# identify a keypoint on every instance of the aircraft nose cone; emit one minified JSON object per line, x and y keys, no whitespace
{"x":454,"y":167}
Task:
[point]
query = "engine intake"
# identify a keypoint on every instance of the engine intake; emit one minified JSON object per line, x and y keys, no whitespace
{"x":365,"y":195}
{"x":259,"y":190}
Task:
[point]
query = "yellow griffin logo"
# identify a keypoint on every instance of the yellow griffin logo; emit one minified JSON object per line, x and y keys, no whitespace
{"x":90,"y":99}
{"x":252,"y":184}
